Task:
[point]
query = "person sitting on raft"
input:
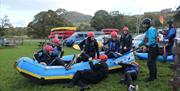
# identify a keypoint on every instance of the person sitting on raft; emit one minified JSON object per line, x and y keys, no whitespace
{"x":130,"y":74}
{"x":47,"y":55}
{"x":126,"y":41}
{"x":89,"y":47}
{"x":57,"y":45}
{"x":97,"y":73}
{"x":113,"y":46}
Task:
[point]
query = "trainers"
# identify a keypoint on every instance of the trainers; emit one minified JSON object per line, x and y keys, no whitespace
{"x":133,"y":87}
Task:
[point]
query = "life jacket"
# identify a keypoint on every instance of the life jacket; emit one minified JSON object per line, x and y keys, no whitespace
{"x":114,"y":45}
{"x":90,"y":47}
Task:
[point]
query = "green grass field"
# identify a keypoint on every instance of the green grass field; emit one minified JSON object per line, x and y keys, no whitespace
{"x":11,"y":80}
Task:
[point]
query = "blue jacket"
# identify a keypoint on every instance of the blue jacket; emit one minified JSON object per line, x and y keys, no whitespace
{"x":151,"y":36}
{"x":113,"y":45}
{"x":171,"y":33}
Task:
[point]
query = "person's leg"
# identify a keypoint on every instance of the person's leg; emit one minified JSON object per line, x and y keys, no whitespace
{"x":77,"y":76}
{"x":151,"y":63}
{"x":36,"y":56}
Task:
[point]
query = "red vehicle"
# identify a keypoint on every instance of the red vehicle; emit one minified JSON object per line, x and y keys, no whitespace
{"x":109,"y":30}
{"x":62,"y":32}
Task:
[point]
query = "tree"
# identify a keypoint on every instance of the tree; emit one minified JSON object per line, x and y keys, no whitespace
{"x":100,"y":20}
{"x":85,"y":27}
{"x":103,"y":19}
{"x":4,"y":24}
{"x":177,"y":16}
{"x":43,"y":22}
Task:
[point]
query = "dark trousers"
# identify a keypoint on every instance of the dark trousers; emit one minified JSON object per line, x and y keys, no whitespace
{"x":85,"y":77}
{"x":111,"y":54}
{"x":151,"y":63}
{"x":130,"y":76}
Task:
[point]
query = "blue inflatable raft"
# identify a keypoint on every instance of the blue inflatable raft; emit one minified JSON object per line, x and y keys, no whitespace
{"x":144,"y":56}
{"x":32,"y":69}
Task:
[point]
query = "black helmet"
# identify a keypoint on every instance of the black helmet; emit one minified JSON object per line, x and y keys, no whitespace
{"x":146,"y":21}
{"x":170,"y":22}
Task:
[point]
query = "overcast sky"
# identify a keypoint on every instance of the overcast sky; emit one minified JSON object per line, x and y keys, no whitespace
{"x":21,"y":12}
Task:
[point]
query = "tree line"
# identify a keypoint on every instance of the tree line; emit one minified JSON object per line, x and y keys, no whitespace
{"x":40,"y":26}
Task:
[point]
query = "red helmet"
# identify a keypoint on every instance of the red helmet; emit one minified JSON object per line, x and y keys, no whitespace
{"x":56,"y":40}
{"x":126,"y":28}
{"x":103,"y":57}
{"x":48,"y":48}
{"x":90,"y":34}
{"x":113,"y":34}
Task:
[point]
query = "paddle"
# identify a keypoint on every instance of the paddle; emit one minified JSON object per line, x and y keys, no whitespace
{"x":74,"y":61}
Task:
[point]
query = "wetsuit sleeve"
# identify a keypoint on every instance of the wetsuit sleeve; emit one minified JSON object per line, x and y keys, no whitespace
{"x":129,"y":45}
{"x":81,"y":44}
{"x":170,"y":33}
{"x":97,"y":49}
{"x":118,"y":46}
{"x":125,"y":65}
{"x":94,"y":67}
{"x":105,"y":43}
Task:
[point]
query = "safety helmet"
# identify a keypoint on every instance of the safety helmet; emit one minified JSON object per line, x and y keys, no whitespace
{"x":146,"y":21}
{"x":113,"y":34}
{"x":170,"y":22}
{"x":48,"y":48}
{"x":125,"y":28}
{"x":103,"y":57}
{"x":90,"y":34}
{"x":56,"y":40}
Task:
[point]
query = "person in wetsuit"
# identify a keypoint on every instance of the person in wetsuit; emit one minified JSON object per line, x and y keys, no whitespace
{"x":130,"y":74}
{"x":126,"y":41}
{"x":150,"y":43}
{"x":95,"y":74}
{"x":113,"y":46}
{"x":89,"y":47}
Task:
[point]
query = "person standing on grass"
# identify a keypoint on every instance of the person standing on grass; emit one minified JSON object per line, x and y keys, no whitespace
{"x":151,"y":44}
{"x":126,"y":41}
{"x":170,"y":35}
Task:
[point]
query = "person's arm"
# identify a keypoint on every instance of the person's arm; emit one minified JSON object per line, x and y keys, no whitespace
{"x":81,"y":44}
{"x":105,"y":43}
{"x":118,"y":46}
{"x":170,"y":34}
{"x":94,"y":67}
{"x":129,"y":45}
{"x":97,"y":49}
{"x":125,"y":65}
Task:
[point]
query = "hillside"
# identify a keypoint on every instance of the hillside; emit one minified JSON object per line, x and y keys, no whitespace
{"x":76,"y":17}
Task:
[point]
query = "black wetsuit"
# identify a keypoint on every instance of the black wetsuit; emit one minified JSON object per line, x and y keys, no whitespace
{"x":90,"y":49}
{"x":126,"y":41}
{"x":98,"y":72}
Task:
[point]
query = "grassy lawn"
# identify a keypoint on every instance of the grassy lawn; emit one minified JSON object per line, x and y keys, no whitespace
{"x":11,"y":80}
